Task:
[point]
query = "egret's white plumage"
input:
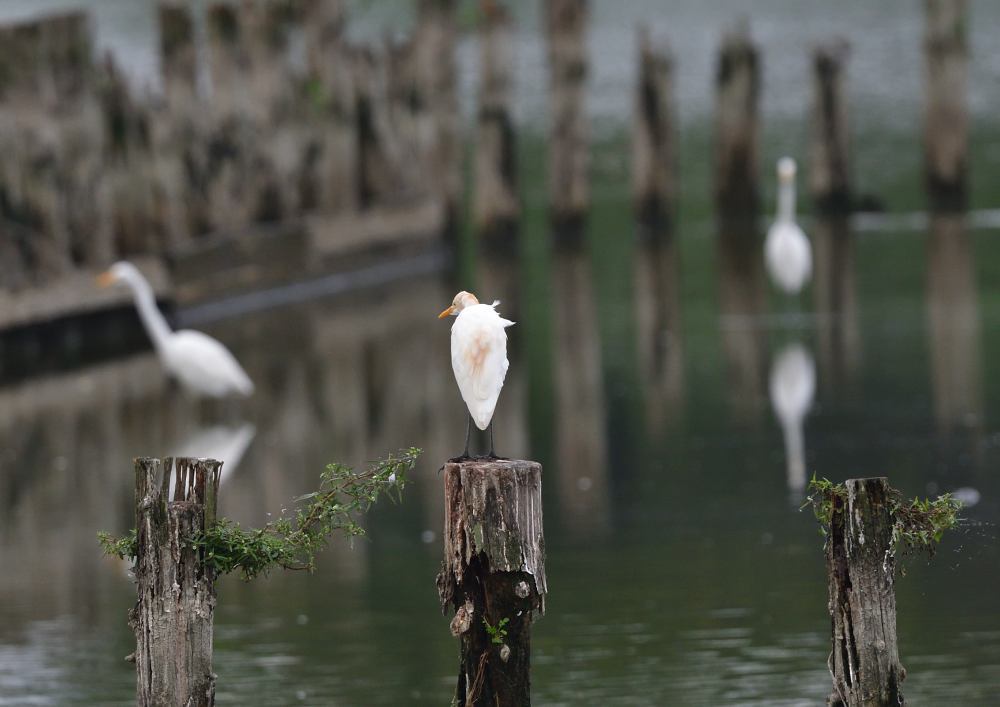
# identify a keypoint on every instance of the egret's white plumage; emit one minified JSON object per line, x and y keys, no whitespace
{"x":787,"y":252}
{"x":199,"y":362}
{"x":478,"y":354}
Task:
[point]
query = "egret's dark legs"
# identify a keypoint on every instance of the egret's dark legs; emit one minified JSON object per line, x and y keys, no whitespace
{"x":492,"y":454}
{"x":465,"y":455}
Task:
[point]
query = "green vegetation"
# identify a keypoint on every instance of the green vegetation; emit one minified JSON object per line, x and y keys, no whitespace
{"x":498,"y":633}
{"x":292,"y":540}
{"x":918,"y":524}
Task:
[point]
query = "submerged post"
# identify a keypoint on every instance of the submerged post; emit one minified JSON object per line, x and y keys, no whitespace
{"x":173,"y":617}
{"x":946,"y":122}
{"x":737,"y":87}
{"x":493,"y":575}
{"x":860,"y":565}
{"x":829,"y":163}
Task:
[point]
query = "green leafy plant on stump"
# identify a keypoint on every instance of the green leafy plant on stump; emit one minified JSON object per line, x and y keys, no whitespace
{"x":918,"y":524}
{"x":498,"y":633}
{"x":292,"y":540}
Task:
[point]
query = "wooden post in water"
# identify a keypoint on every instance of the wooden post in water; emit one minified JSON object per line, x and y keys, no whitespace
{"x":493,"y":575}
{"x":829,"y":158}
{"x":946,"y":123}
{"x":654,"y":182}
{"x":737,"y":86}
{"x":495,"y":203}
{"x":173,"y":617}
{"x":569,"y":191}
{"x":860,"y":566}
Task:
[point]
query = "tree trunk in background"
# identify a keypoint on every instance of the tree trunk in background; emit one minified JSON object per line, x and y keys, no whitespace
{"x":493,"y":571}
{"x":946,"y":124}
{"x":860,"y":565}
{"x":173,"y":617}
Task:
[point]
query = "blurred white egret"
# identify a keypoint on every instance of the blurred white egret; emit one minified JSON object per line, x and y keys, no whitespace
{"x":198,"y":361}
{"x":787,"y":252}
{"x":479,"y":359}
{"x":219,"y":442}
{"x":792,"y":387}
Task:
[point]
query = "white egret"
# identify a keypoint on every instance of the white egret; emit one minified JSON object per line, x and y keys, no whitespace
{"x":787,"y":252}
{"x":199,"y":362}
{"x":479,"y":359}
{"x":792,"y":387}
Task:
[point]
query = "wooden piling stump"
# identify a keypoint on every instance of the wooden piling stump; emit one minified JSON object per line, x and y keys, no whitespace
{"x":737,"y":142}
{"x":829,"y":163}
{"x":174,"y":615}
{"x":569,"y":152}
{"x":860,"y":564}
{"x":946,"y":123}
{"x":493,"y":575}
{"x":654,"y":181}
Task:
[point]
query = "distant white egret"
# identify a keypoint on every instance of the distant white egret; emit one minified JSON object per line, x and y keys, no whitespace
{"x":479,"y":359}
{"x":792,"y":387}
{"x":199,"y":362}
{"x":787,"y":252}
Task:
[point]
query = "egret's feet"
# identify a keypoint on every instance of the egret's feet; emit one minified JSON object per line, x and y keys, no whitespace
{"x":461,"y":458}
{"x":492,"y":457}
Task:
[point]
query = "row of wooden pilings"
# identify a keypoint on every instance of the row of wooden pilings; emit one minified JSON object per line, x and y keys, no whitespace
{"x":293,"y":118}
{"x":492,"y":578}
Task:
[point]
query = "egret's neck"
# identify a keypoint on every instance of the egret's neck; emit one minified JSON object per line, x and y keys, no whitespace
{"x":786,"y":201}
{"x":152,"y":318}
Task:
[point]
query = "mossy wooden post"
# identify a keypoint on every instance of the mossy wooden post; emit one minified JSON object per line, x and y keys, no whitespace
{"x":173,"y":617}
{"x":495,"y":203}
{"x":860,"y":565}
{"x":737,"y":149}
{"x":829,"y":158}
{"x":946,"y":122}
{"x":493,"y":571}
{"x":569,"y":156}
{"x":654,"y":182}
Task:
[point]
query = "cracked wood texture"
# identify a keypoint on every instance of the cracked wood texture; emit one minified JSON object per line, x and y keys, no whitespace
{"x":860,"y":564}
{"x":173,"y":617}
{"x":493,"y":571}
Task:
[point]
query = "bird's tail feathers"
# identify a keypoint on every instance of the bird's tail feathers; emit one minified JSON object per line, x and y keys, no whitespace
{"x":495,"y":304}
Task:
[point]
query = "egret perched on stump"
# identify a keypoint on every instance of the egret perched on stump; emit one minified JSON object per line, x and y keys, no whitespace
{"x":479,"y":359}
{"x":199,"y":362}
{"x":786,"y":250}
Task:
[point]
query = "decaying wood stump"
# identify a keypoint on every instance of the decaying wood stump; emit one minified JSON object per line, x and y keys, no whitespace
{"x":737,"y":149}
{"x":654,"y":181}
{"x":493,"y":575}
{"x":860,"y":564}
{"x":829,"y":159}
{"x":495,"y":202}
{"x":946,"y":123}
{"x":569,"y":152}
{"x":173,"y":617}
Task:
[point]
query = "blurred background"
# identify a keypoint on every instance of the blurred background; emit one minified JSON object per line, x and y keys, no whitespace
{"x":311,"y":182}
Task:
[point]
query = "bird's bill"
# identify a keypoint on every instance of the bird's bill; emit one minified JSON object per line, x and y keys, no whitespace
{"x":448,"y":312}
{"x":105,"y":279}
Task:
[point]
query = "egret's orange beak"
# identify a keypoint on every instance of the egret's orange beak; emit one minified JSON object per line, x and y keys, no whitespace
{"x":105,"y":279}
{"x":447,"y":313}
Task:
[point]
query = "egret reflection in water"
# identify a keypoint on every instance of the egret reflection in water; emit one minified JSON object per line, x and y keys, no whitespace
{"x":792,"y":387}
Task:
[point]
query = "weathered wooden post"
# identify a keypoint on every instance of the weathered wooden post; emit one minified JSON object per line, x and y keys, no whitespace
{"x":493,"y":575}
{"x":569,"y":158}
{"x":737,"y":87}
{"x":860,"y":566}
{"x":173,"y":617}
{"x":654,"y":181}
{"x":495,"y":202}
{"x":946,"y":123}
{"x":829,"y":158}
